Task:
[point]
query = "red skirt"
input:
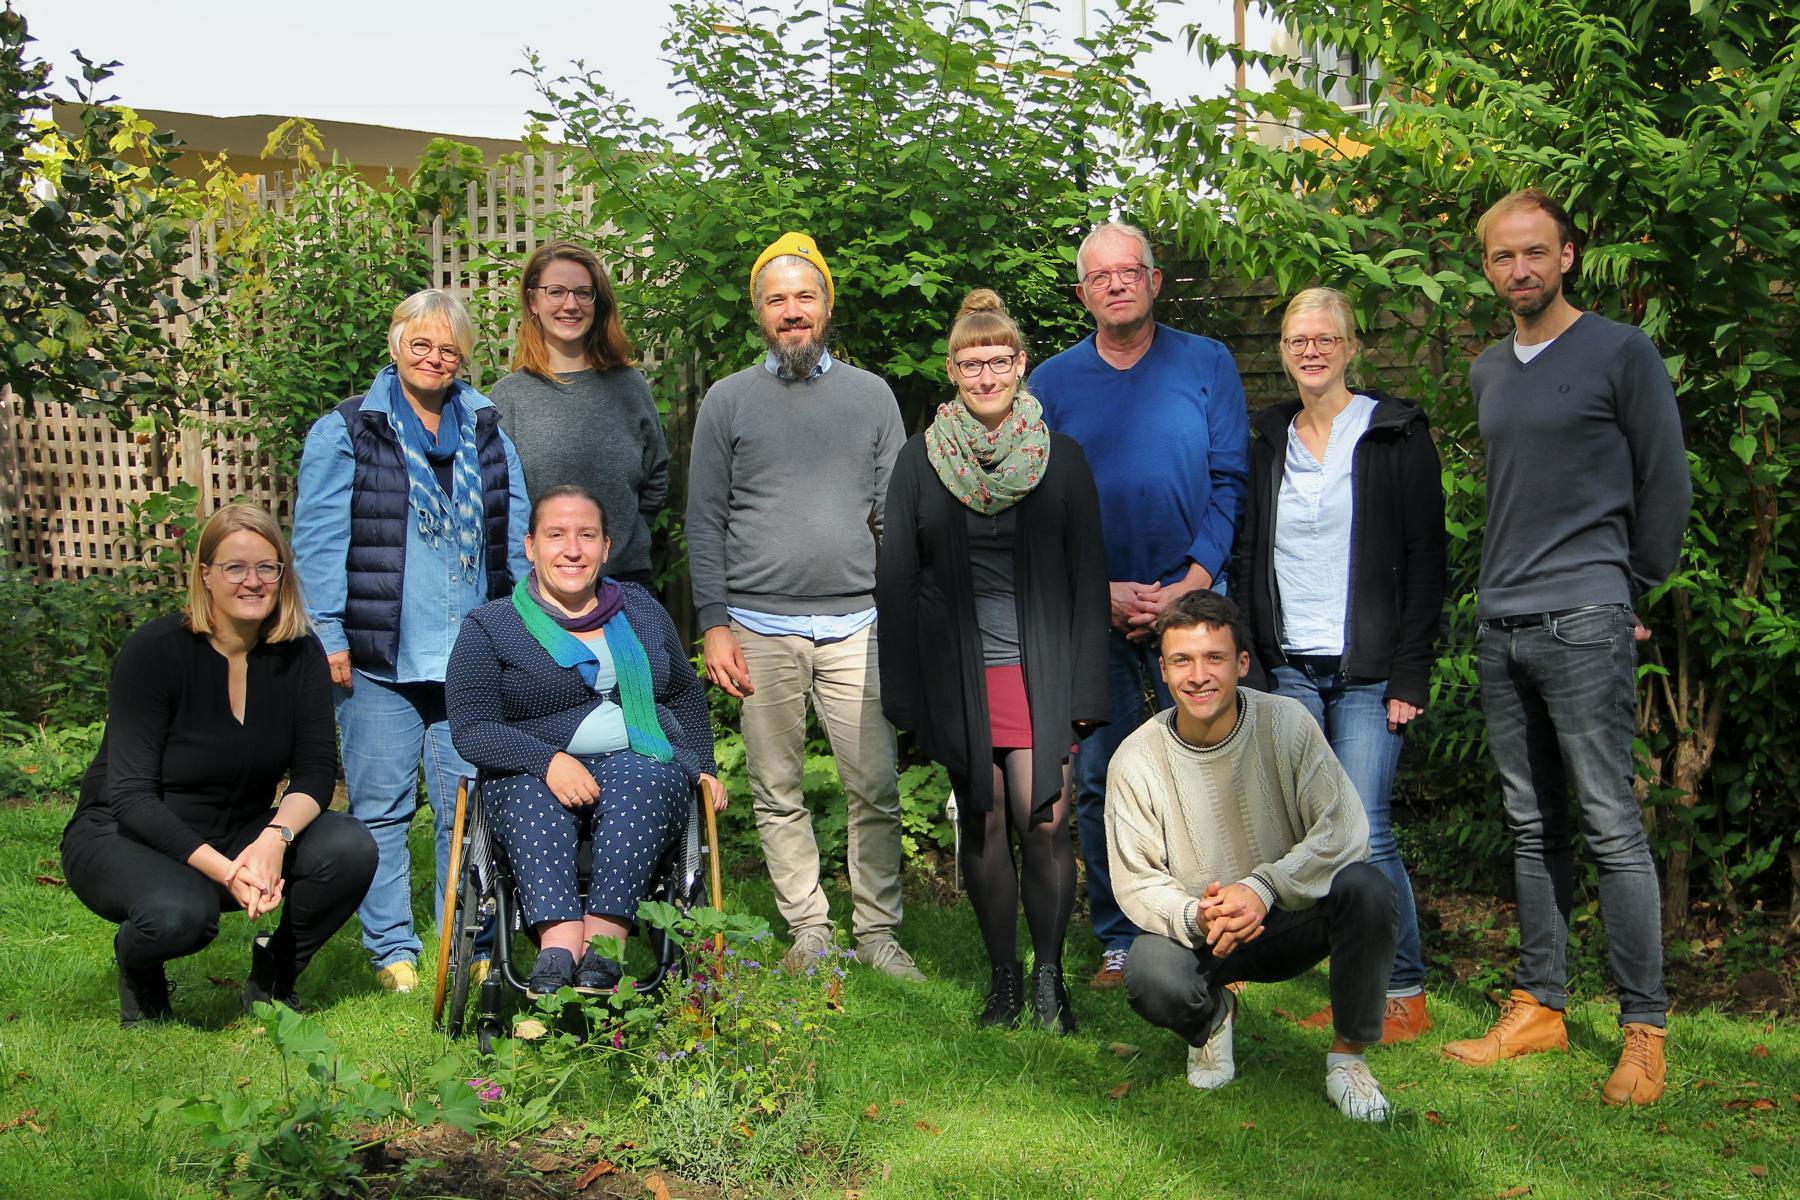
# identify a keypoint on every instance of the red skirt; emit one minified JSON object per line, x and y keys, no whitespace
{"x":1009,"y":713}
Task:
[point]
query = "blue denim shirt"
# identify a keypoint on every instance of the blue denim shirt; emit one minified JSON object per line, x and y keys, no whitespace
{"x":437,"y":596}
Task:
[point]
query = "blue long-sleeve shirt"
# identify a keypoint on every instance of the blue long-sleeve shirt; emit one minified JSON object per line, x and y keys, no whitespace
{"x":1168,"y":440}
{"x":436,"y":594}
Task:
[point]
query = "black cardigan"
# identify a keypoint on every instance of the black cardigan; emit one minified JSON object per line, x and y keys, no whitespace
{"x":1396,"y":547}
{"x":512,"y":709}
{"x":932,"y":677}
{"x":176,"y":768}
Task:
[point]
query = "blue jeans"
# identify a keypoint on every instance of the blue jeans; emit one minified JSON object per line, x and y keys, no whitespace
{"x":386,"y":730}
{"x":1353,"y":714}
{"x":1560,"y":695}
{"x":1131,"y":668}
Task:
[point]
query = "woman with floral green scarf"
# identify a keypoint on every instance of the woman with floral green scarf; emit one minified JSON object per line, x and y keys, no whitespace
{"x":993,"y":606}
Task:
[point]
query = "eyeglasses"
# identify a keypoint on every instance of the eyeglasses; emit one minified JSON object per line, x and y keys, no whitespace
{"x":237,"y":572}
{"x":1099,"y":281}
{"x":1326,"y":342}
{"x":971,"y":368}
{"x":421,"y":348}
{"x":556,"y":293}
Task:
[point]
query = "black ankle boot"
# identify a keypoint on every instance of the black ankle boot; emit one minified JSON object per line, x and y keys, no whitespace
{"x":1050,"y":1007}
{"x":1006,"y":996}
{"x":265,"y":982}
{"x":143,"y":995}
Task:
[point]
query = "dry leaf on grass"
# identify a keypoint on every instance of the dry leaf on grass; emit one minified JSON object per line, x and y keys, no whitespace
{"x":653,"y":1183}
{"x":530,"y":1029}
{"x":1122,"y":1049}
{"x":927,"y":1127}
{"x":1759,"y":1051}
{"x":1435,"y":1117}
{"x":223,"y":981}
{"x":1513,"y":1193}
{"x":48,"y":881}
{"x":546,"y":1162}
{"x":1246,"y":1124}
{"x":1118,"y":1093}
{"x":872,"y":1113}
{"x":896,"y":1102}
{"x":594,"y":1172}
{"x":1759,"y":1172}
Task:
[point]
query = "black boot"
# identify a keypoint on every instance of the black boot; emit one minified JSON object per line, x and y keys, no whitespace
{"x":1050,"y":1007}
{"x":265,"y":981}
{"x":1006,"y":996}
{"x":143,"y":995}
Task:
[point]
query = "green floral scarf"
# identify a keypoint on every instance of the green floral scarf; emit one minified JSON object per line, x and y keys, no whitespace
{"x":989,"y":470}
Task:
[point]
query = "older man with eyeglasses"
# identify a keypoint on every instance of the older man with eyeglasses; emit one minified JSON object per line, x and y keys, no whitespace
{"x":1160,"y":414}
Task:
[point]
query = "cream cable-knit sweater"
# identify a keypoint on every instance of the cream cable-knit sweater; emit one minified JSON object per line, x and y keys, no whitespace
{"x":1268,"y":807}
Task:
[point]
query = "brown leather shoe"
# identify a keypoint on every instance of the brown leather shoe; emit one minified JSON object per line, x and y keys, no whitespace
{"x":1111,"y":973}
{"x":1523,"y":1027}
{"x":1638,"y":1079}
{"x":1404,"y":1019}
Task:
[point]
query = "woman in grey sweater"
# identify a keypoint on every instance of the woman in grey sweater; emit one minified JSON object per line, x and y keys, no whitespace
{"x":577,"y":408}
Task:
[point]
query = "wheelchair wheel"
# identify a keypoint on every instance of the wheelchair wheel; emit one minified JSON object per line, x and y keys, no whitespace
{"x":470,"y":915}
{"x":453,"y":874}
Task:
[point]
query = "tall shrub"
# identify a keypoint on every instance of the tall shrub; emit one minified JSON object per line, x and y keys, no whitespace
{"x":1672,"y":129}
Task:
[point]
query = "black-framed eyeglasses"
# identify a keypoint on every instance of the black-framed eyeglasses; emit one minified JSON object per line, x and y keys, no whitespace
{"x":422,"y":348}
{"x":237,"y":572}
{"x":971,"y":368}
{"x":1130,"y":276}
{"x":556,"y":293}
{"x":1326,"y":342}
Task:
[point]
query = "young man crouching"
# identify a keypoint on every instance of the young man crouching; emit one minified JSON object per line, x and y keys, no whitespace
{"x":1239,"y":845}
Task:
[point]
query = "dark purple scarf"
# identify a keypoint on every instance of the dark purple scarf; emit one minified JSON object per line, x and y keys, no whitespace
{"x":609,"y":598}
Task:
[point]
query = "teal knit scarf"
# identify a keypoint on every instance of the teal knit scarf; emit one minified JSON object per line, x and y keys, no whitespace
{"x":636,"y":692}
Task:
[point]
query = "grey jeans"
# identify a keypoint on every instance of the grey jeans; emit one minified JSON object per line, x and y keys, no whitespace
{"x":1559,"y":694}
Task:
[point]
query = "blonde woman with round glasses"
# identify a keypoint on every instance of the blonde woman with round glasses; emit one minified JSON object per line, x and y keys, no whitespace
{"x":992,"y":594}
{"x":183,"y":815}
{"x":1344,"y":537}
{"x":411,"y":512}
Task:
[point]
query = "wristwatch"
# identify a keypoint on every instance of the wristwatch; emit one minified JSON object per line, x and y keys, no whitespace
{"x":287,"y":835}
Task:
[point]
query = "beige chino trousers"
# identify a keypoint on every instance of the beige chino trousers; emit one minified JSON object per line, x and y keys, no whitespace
{"x":843,"y":681}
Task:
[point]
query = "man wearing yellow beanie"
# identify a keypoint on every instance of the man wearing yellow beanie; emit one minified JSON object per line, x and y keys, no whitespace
{"x":788,"y":473}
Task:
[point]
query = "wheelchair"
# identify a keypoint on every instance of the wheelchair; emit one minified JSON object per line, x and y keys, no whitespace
{"x":480,"y":890}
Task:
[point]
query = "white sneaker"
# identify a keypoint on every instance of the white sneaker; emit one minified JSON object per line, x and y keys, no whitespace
{"x":1355,"y":1092}
{"x":1213,"y":1065}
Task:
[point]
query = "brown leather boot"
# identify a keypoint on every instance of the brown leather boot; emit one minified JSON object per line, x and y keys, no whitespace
{"x":1523,"y":1027}
{"x":1638,"y":1079}
{"x":1404,"y":1019}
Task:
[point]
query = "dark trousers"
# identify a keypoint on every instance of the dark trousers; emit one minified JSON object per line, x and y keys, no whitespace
{"x":1177,"y":988}
{"x":166,"y":909}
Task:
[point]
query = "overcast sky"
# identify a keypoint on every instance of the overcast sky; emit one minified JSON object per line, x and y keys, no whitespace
{"x":446,"y":66}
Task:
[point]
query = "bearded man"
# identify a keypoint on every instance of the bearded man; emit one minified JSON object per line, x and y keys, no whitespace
{"x":786,"y":484}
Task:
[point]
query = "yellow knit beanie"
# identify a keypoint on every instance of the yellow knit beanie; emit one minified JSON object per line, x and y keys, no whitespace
{"x":805,"y":247}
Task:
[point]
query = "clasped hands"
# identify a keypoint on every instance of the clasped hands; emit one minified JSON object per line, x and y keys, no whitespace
{"x":1230,"y":915}
{"x":255,"y":878}
{"x":1136,"y":606}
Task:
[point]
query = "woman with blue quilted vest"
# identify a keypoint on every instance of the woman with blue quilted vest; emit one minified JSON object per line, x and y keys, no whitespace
{"x":411,"y":512}
{"x":576,"y":698}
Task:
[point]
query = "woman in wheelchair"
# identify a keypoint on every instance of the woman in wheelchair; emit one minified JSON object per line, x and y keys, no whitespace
{"x":578,"y":704}
{"x":179,"y":820}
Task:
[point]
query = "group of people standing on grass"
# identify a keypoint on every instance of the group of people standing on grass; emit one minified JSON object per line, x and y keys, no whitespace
{"x":1050,"y":561}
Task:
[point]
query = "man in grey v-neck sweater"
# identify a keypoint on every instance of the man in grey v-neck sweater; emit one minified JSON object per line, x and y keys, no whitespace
{"x":1588,"y":495}
{"x":786,"y":484}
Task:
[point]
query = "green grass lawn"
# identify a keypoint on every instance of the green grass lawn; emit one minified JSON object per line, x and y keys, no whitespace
{"x":959,"y":1112}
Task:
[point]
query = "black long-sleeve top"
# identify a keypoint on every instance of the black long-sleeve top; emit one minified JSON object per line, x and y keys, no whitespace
{"x":933,"y":677}
{"x":512,"y":708}
{"x":176,"y":768}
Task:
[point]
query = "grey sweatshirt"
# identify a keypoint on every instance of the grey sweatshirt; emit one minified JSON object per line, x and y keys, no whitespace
{"x":1588,"y":488}
{"x":785,"y":481}
{"x":602,"y":431}
{"x":1268,"y":807}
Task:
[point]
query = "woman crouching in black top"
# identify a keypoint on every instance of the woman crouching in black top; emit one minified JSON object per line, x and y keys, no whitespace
{"x":210,"y":710}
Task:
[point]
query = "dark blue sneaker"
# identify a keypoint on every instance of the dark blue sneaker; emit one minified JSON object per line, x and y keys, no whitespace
{"x":555,"y":969}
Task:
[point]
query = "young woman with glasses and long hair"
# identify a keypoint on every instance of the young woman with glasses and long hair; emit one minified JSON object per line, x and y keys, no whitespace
{"x":578,"y":408}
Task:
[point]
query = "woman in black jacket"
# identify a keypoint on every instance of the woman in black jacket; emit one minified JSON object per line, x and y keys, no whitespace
{"x":993,"y":602}
{"x":1345,"y":540}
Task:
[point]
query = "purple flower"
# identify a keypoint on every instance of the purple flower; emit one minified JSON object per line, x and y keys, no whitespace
{"x":486,"y":1089}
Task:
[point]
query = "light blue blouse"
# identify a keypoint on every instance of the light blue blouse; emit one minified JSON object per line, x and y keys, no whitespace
{"x":603,"y":730}
{"x":1312,"y":535}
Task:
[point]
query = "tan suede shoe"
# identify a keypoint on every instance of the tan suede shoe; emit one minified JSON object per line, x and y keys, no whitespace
{"x":1523,"y":1027}
{"x":1638,"y":1079}
{"x":1404,"y":1019}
